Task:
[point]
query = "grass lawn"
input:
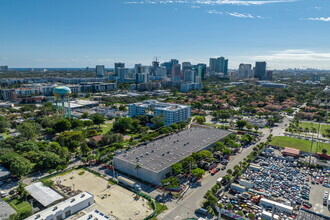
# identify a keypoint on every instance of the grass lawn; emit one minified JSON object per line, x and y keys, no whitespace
{"x":159,"y":209}
{"x":20,"y":205}
{"x":314,"y":125}
{"x":106,"y":127}
{"x":301,"y":144}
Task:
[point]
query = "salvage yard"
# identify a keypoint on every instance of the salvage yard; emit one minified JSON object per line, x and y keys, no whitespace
{"x":280,"y":179}
{"x":112,"y":200}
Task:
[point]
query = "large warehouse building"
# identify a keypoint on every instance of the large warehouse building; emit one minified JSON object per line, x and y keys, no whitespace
{"x":156,"y":158}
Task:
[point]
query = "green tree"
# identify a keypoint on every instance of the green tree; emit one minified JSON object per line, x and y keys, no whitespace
{"x":198,"y":172}
{"x":230,"y":206}
{"x":199,"y":119}
{"x":123,"y":125}
{"x":71,"y":139}
{"x":256,"y":127}
{"x":324,"y":151}
{"x":29,"y":130}
{"x":177,"y":168}
{"x":170,"y":183}
{"x":241,"y":124}
{"x":240,"y":213}
{"x":21,"y":191}
{"x":229,"y":171}
{"x":212,"y":200}
{"x":62,"y":125}
{"x":88,"y":123}
{"x":26,"y":146}
{"x":85,"y":115}
{"x":157,"y":121}
{"x":220,"y":205}
{"x":20,"y":167}
{"x":98,"y":119}
{"x":249,"y":126}
{"x":4,"y":124}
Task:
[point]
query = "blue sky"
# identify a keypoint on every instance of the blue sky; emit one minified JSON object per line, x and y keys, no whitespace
{"x":80,"y":33}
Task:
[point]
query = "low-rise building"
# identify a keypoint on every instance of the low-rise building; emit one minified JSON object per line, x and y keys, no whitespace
{"x":5,"y":210}
{"x":43,"y":194}
{"x":66,"y":208}
{"x":94,"y":215}
{"x":278,"y":206}
{"x":157,"y":157}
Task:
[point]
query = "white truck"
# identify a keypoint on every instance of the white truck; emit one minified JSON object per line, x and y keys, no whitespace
{"x":129,"y":182}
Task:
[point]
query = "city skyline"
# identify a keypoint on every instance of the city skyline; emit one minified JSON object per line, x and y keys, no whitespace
{"x":284,"y":33}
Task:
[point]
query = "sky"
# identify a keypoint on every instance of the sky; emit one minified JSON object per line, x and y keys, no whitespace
{"x":86,"y":33}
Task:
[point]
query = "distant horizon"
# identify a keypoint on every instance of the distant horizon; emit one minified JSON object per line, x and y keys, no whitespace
{"x":112,"y":68}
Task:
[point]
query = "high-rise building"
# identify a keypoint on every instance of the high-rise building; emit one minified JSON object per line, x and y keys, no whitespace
{"x":189,"y":76}
{"x":260,"y":70}
{"x":225,"y":68}
{"x":160,"y":73}
{"x":212,"y":67}
{"x":4,"y":68}
{"x":138,"y":68}
{"x":218,"y":65}
{"x":122,"y":74}
{"x":118,"y":65}
{"x":269,"y":75}
{"x":201,"y":70}
{"x":244,"y":71}
{"x":155,"y":65}
{"x":316,"y":77}
{"x":176,"y":72}
{"x":168,"y":67}
{"x":186,"y":66}
{"x":100,"y":71}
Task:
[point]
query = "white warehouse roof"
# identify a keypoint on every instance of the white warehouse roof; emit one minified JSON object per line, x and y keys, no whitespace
{"x":43,"y":194}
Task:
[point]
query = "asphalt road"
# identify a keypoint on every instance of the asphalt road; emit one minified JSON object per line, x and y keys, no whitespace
{"x":193,"y":199}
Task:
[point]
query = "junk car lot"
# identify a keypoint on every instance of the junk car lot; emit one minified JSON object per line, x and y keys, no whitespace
{"x":279,"y":182}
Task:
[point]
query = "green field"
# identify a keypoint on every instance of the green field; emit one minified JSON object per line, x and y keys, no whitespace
{"x":311,"y":125}
{"x":301,"y":144}
{"x":106,"y":127}
{"x":20,"y":205}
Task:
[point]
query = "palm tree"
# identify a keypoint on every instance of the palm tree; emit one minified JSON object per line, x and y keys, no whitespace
{"x":137,"y":167}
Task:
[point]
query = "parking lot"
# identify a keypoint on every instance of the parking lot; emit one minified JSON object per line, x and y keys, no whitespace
{"x":112,"y":200}
{"x":282,"y":180}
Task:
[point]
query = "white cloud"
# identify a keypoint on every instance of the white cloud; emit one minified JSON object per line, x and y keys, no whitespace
{"x":211,"y":2}
{"x":318,"y":19}
{"x":294,"y":55}
{"x":235,"y":14}
{"x":214,"y":12}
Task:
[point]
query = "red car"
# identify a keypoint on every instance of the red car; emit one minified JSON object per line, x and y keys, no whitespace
{"x":213,"y":172}
{"x":307,"y":179}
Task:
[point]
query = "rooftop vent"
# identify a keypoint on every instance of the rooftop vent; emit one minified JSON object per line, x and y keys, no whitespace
{"x":168,"y":152}
{"x":147,"y":153}
{"x":152,"y":151}
{"x":54,"y":208}
{"x":72,"y":200}
{"x":163,"y":154}
{"x":83,"y":195}
{"x":141,"y":155}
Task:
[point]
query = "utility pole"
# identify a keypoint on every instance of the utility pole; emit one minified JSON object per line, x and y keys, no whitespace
{"x":310,"y":155}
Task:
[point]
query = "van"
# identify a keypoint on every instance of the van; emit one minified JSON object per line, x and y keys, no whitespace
{"x":219,"y":180}
{"x":201,"y":211}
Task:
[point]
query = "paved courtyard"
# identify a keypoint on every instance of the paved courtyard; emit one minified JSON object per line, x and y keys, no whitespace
{"x":113,"y":201}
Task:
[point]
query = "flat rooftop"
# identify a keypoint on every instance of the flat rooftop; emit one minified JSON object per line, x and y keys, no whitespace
{"x":5,"y":210}
{"x":162,"y":153}
{"x":160,"y":105}
{"x":60,"y":207}
{"x":43,"y":194}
